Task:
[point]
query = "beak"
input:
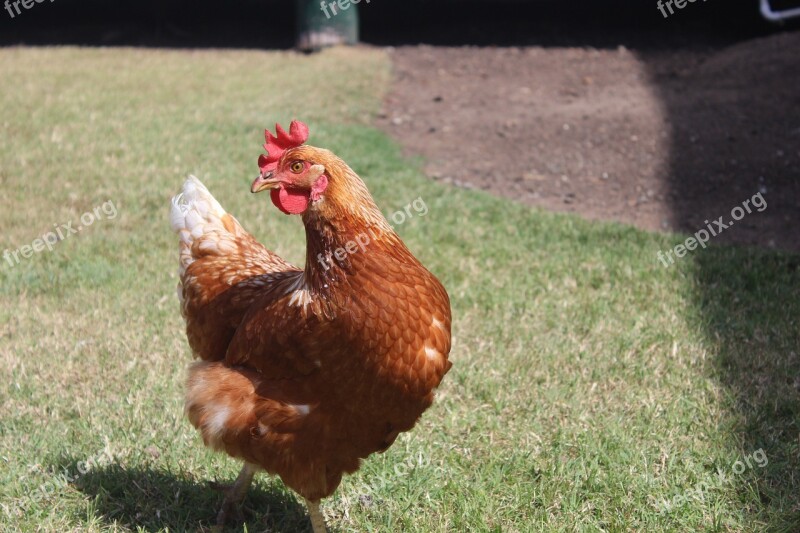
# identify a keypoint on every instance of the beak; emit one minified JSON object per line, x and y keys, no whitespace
{"x":263,"y":182}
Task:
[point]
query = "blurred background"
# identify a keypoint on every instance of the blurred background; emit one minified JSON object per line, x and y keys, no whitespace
{"x":269,"y":24}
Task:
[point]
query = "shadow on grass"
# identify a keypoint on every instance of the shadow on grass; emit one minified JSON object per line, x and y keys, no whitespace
{"x":746,"y":300}
{"x":749,"y":301}
{"x":156,"y":500}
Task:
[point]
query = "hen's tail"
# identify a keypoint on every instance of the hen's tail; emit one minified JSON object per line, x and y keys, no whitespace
{"x":208,"y":233}
{"x":222,"y":268}
{"x":196,"y":216}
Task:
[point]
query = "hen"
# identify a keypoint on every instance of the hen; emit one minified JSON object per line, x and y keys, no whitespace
{"x":305,"y":372}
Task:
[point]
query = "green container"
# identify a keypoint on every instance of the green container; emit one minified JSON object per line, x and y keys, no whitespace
{"x":328,"y":23}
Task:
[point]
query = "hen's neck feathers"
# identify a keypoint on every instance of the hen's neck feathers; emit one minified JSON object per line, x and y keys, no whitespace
{"x":345,"y":230}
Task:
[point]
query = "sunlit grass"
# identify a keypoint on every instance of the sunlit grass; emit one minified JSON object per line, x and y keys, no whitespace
{"x":589,"y":384}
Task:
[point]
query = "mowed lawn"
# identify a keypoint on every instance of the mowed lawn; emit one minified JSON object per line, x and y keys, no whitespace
{"x":590,"y":384}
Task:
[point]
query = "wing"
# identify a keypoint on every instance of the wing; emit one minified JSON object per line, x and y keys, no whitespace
{"x":287,"y":336}
{"x":392,"y":321}
{"x":223,"y":270}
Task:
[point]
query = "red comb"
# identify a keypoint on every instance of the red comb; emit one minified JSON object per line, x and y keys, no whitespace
{"x":277,"y":144}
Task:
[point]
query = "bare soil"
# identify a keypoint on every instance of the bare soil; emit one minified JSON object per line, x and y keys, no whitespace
{"x":663,"y":139}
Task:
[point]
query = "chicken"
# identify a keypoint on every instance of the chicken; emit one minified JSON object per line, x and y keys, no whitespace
{"x":303,"y":373}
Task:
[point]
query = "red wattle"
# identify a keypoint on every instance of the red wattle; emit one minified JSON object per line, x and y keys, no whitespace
{"x":291,"y":202}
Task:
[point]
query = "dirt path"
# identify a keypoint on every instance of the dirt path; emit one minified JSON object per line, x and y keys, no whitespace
{"x":659,"y":139}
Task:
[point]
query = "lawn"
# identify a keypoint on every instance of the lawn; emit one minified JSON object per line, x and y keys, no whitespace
{"x":592,"y":388}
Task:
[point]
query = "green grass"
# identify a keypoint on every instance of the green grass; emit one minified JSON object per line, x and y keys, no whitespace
{"x":589,"y":383}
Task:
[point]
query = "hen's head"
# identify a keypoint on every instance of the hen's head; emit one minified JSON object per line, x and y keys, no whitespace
{"x":302,"y":178}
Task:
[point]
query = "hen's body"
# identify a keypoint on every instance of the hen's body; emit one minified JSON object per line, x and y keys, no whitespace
{"x":305,"y":372}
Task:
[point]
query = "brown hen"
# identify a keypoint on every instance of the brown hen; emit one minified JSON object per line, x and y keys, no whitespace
{"x":304,"y":373}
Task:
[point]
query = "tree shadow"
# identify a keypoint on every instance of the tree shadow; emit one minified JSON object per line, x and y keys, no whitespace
{"x":734,"y":117}
{"x":155,"y":499}
{"x":748,"y":303}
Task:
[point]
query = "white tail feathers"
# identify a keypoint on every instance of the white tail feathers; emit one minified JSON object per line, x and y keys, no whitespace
{"x":196,"y":216}
{"x":219,"y":251}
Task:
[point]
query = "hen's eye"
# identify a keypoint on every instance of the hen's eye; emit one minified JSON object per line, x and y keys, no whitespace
{"x":297,"y":167}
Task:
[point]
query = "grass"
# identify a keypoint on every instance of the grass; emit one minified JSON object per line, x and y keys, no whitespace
{"x":590,"y":384}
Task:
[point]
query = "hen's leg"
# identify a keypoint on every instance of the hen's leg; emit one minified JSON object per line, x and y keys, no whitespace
{"x":234,"y":494}
{"x":317,"y":520}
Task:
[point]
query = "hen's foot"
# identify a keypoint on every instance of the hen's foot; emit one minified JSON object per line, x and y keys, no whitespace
{"x":234,"y":495}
